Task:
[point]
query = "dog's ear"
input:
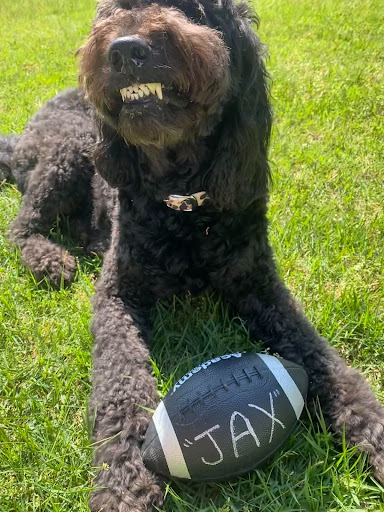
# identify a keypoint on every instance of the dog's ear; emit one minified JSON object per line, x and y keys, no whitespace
{"x":240,"y":172}
{"x":115,"y":161}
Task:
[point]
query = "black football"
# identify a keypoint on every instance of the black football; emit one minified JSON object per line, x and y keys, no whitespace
{"x":225,"y":417}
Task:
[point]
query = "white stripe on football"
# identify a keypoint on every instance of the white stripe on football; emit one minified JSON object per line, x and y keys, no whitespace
{"x":225,"y":417}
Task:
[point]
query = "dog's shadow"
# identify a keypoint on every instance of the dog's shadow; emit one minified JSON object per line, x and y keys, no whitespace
{"x":189,"y":331}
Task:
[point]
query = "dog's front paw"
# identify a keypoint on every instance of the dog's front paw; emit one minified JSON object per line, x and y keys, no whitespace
{"x":104,"y":500}
{"x":49,"y":260}
{"x":131,"y":492}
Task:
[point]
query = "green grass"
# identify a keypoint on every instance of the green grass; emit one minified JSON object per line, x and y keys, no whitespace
{"x":327,"y":227}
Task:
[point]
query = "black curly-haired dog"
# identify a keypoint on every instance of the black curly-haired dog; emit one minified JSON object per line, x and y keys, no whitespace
{"x":180,"y":95}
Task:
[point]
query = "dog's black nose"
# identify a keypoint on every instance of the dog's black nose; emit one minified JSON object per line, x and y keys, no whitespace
{"x":127,"y":51}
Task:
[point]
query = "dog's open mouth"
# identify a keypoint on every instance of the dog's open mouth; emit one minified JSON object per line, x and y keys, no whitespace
{"x":140,"y":96}
{"x":142,"y":91}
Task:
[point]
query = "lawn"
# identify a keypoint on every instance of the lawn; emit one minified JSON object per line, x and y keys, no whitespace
{"x":327,"y":228}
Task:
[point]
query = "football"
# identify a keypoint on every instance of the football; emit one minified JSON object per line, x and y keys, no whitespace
{"x":225,"y":417}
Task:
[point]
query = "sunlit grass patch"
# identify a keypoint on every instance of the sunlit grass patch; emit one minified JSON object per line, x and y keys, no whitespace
{"x":327,"y":227}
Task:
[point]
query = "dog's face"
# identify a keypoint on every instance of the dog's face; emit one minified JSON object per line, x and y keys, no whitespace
{"x":153,"y":74}
{"x":182,"y":82}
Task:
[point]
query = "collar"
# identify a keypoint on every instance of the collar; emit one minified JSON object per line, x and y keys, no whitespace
{"x":186,"y":203}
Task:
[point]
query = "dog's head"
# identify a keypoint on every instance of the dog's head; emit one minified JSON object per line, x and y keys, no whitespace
{"x":153,"y":74}
{"x":173,"y":72}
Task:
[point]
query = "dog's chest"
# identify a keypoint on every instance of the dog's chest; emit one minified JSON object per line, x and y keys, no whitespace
{"x":187,"y":245}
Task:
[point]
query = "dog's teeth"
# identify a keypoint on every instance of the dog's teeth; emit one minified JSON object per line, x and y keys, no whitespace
{"x":152,"y":88}
{"x":134,"y":92}
{"x":159,"y":92}
{"x":145,"y":89}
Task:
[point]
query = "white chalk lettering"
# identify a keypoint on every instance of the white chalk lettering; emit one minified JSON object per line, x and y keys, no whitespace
{"x":240,"y":426}
{"x":248,"y":432}
{"x":208,"y":433}
{"x":270,"y":415}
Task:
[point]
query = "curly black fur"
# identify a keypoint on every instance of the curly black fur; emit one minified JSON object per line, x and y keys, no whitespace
{"x":51,"y":162}
{"x":211,"y":133}
{"x":7,"y":146}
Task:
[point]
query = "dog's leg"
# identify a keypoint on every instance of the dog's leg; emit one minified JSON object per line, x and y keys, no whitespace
{"x":123,"y":390}
{"x":273,"y":316}
{"x":50,"y":192}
